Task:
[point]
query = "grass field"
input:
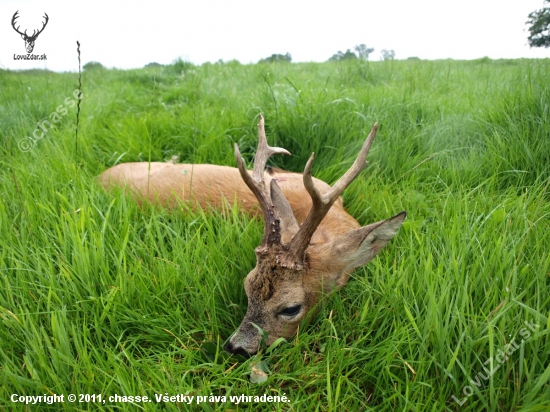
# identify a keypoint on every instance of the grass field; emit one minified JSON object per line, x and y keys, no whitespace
{"x":99,"y":296}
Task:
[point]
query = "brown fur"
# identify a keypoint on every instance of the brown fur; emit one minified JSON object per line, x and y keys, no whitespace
{"x":212,"y":185}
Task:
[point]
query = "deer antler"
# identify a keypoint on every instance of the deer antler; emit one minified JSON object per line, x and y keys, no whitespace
{"x":15,"y":17}
{"x":34,"y":34}
{"x":279,"y":221}
{"x":278,"y":216}
{"x":323,"y":203}
{"x":43,"y":26}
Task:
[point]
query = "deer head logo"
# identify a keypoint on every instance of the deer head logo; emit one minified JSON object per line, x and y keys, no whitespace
{"x":29,"y":40}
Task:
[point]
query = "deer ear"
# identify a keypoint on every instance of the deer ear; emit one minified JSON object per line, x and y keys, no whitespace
{"x":359,"y":246}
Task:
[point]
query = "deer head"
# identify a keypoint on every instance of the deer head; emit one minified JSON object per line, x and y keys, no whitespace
{"x":29,"y":40}
{"x":291,"y":275}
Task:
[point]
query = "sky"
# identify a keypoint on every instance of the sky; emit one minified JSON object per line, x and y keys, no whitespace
{"x":130,"y":34}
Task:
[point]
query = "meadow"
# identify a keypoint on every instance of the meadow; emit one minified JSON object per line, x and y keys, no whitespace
{"x":101,"y":296}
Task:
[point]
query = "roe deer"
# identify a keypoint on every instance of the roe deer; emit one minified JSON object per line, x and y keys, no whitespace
{"x":310,"y":244}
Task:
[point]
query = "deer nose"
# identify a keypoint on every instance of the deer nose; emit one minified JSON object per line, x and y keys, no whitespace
{"x":237,"y":350}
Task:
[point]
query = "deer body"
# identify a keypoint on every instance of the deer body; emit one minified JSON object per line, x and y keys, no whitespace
{"x":211,"y":185}
{"x":310,"y":243}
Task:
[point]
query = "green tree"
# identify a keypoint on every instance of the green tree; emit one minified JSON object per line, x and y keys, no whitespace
{"x":275,"y":58}
{"x":539,"y":30}
{"x":93,"y":66}
{"x":363,"y":51}
{"x":348,"y":55}
{"x":387,"y":54}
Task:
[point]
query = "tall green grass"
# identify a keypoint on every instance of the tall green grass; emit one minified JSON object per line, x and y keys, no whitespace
{"x":98,"y":295}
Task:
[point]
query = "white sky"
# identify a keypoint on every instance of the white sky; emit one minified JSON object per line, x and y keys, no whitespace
{"x":128,"y":34}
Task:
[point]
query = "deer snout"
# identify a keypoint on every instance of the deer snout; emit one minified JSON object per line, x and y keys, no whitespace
{"x":245,"y":341}
{"x":237,"y":350}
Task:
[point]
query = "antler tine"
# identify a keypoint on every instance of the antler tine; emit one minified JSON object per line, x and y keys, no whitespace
{"x":322,"y":203}
{"x":15,"y":17}
{"x":45,"y":23}
{"x":264,"y":152}
{"x":272,"y":230}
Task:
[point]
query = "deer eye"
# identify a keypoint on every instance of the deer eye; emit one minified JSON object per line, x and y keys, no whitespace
{"x":291,"y":310}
